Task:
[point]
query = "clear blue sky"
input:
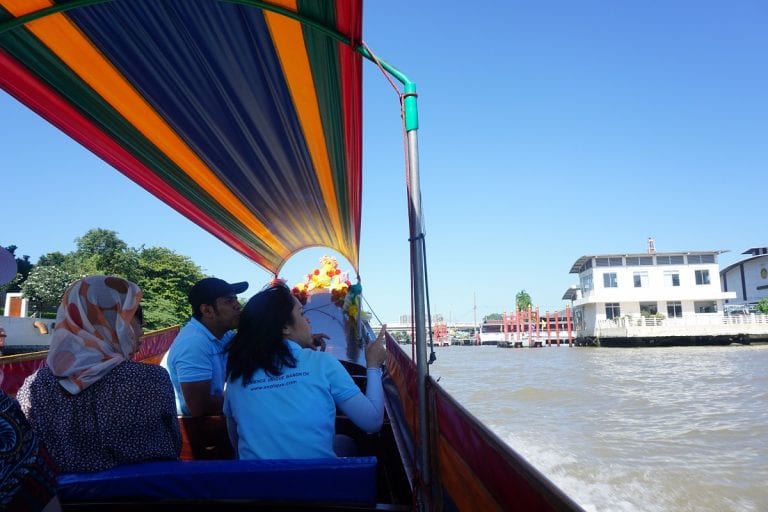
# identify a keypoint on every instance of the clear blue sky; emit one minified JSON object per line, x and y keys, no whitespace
{"x":549,"y":130}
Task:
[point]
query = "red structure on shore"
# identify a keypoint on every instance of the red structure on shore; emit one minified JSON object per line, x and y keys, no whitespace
{"x":549,"y":329}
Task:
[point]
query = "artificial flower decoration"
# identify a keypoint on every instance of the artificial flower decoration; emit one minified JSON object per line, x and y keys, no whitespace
{"x":327,"y":277}
{"x":352,"y":301}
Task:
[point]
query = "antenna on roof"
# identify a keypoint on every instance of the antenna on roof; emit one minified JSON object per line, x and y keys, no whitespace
{"x":651,"y":247}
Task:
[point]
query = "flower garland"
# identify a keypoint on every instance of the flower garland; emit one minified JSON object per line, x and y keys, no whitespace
{"x":327,"y":277}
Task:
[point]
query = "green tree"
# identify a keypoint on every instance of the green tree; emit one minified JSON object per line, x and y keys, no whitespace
{"x":101,"y":251}
{"x":45,"y":286}
{"x":523,"y":300}
{"x":493,"y":316}
{"x":53,"y":259}
{"x":13,"y":286}
{"x":401,"y":336}
{"x":165,"y":278}
{"x":160,"y":312}
{"x":762,"y":306}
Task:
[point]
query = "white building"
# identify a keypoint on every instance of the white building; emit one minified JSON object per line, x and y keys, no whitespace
{"x":748,"y":278}
{"x":671,"y":298}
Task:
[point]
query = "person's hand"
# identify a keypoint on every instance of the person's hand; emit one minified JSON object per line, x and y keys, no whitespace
{"x":375,"y":353}
{"x":318,"y":341}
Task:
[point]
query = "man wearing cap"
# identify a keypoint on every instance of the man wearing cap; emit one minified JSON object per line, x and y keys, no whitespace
{"x":196,"y":360}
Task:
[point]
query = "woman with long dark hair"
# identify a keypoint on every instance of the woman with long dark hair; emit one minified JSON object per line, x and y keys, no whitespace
{"x":282,"y":394}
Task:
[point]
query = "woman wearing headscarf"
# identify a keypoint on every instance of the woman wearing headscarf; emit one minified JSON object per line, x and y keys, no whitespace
{"x":92,"y":405}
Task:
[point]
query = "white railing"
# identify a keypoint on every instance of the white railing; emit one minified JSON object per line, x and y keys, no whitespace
{"x":701,"y":324}
{"x":691,"y":320}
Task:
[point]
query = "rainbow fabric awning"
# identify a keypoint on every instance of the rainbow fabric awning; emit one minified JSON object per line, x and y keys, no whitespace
{"x":234,"y":113}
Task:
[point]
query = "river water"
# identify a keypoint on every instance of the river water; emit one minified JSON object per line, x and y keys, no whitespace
{"x":619,"y":430}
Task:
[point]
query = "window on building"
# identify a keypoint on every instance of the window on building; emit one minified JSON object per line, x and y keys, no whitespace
{"x":609,"y":280}
{"x":586,"y":283}
{"x":640,"y":279}
{"x":674,"y":309}
{"x":670,"y":260}
{"x":636,"y":261}
{"x":671,"y":278}
{"x":702,"y":276}
{"x":609,"y":262}
{"x":612,"y":310}
{"x":705,"y":307}
{"x":649,"y":308}
{"x":700,"y":258}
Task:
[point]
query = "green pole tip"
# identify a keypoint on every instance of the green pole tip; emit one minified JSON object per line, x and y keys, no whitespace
{"x":410,"y":107}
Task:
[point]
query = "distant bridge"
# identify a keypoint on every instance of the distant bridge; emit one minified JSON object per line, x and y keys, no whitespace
{"x":408,"y":327}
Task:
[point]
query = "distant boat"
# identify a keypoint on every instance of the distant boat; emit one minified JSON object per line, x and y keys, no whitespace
{"x":527,"y":330}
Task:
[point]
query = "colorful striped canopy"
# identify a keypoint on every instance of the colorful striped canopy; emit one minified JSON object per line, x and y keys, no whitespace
{"x":234,"y":113}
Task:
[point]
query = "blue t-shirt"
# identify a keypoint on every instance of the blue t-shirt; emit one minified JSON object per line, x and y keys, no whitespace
{"x":293,"y":415}
{"x":196,"y":355}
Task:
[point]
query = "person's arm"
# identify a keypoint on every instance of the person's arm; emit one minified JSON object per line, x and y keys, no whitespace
{"x":199,"y":400}
{"x":367,"y":411}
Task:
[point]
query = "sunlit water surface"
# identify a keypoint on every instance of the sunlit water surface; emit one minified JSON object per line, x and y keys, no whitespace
{"x":651,"y":429}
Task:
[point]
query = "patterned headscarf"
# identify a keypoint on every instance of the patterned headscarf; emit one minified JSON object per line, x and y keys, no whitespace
{"x":94,"y":331}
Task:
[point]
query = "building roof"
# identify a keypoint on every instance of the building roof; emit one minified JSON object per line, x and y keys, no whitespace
{"x":571,"y":293}
{"x":742,"y":262}
{"x":756,"y":251}
{"x":583,"y":259}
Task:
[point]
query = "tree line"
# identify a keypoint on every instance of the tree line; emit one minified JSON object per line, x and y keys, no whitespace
{"x":522,"y":302}
{"x":164,"y":276}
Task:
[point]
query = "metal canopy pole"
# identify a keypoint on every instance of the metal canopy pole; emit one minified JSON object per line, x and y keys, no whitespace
{"x":419,"y":295}
{"x":419,"y":309}
{"x":411,"y":120}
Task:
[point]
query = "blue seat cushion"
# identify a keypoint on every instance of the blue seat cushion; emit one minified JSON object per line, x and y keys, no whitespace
{"x":349,"y":479}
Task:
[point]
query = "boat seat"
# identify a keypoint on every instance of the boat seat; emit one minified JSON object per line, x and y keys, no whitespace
{"x":343,"y":480}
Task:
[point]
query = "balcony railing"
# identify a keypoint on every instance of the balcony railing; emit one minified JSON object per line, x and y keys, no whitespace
{"x":690,"y":320}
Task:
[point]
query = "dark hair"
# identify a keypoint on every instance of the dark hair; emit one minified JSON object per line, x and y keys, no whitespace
{"x":259,"y":343}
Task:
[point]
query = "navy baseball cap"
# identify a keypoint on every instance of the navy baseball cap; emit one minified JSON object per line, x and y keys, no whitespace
{"x":207,"y":290}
